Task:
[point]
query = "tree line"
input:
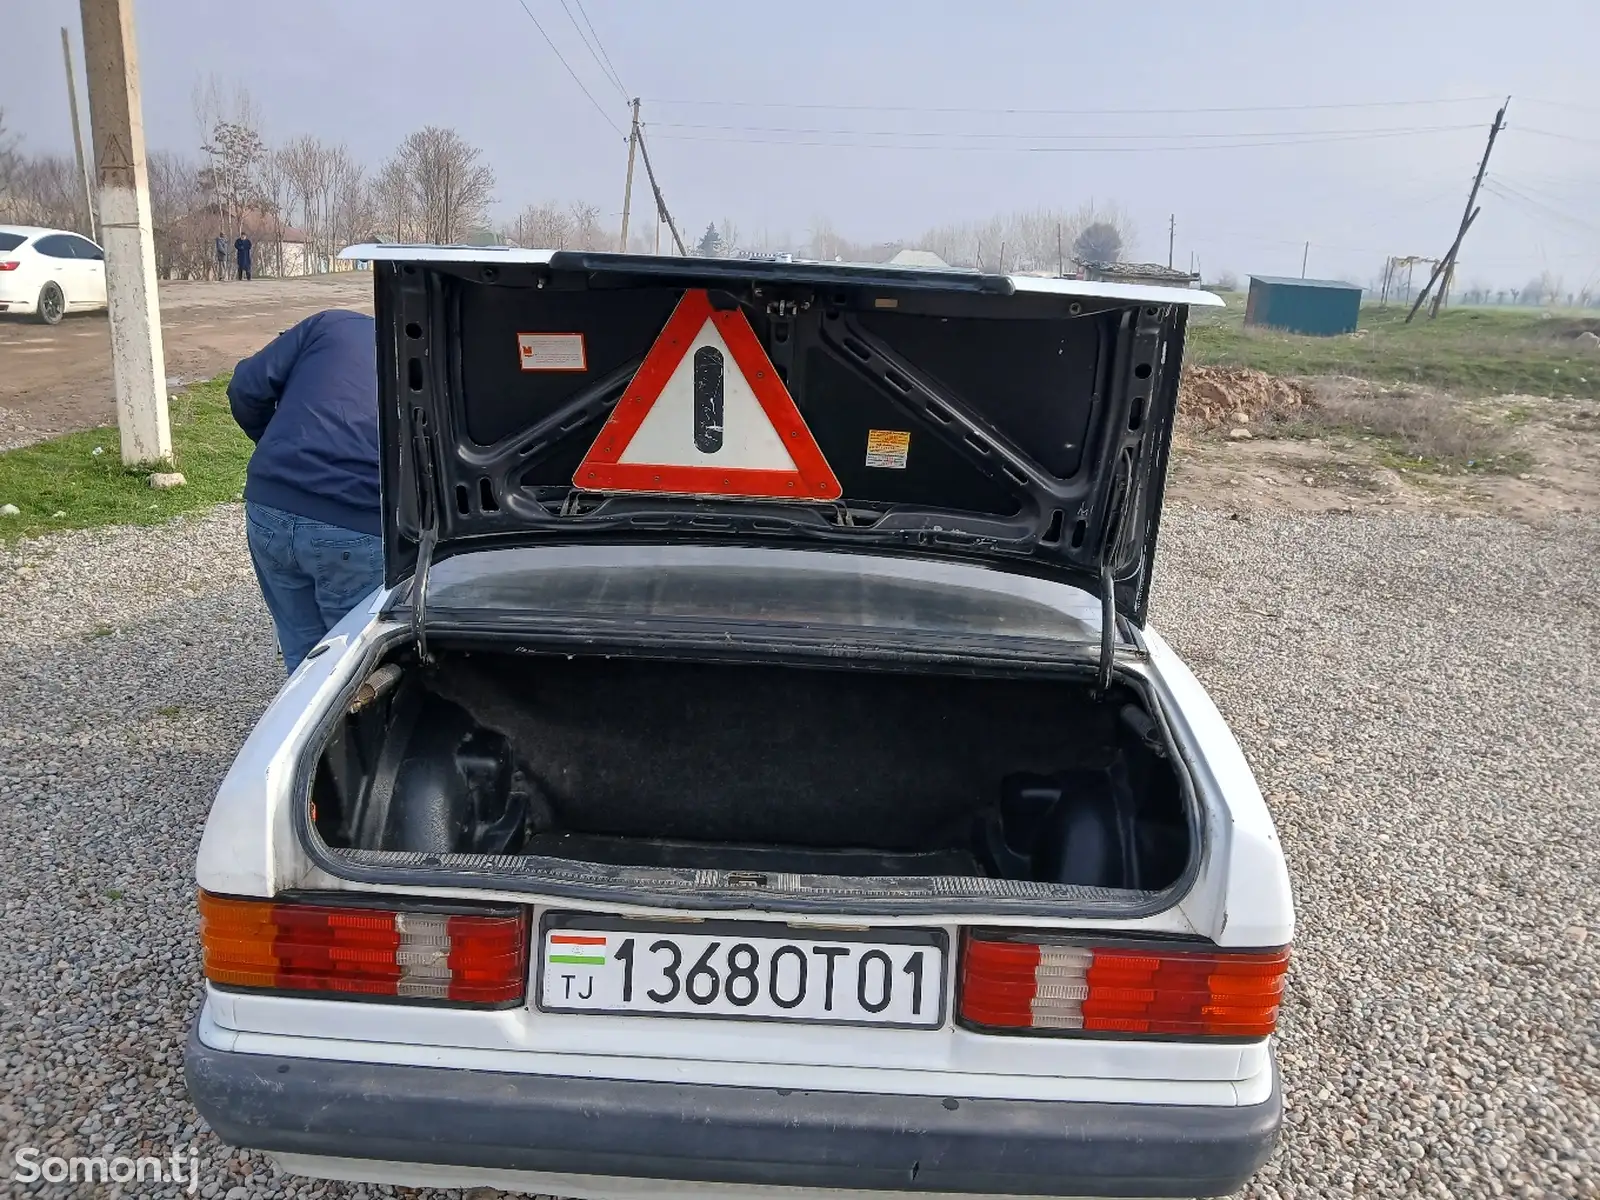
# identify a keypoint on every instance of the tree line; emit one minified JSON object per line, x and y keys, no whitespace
{"x":303,"y":199}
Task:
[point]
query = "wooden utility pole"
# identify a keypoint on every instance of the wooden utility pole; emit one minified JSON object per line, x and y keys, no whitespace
{"x":1447,"y":265}
{"x":116,"y":118}
{"x":1172,"y":233}
{"x":77,"y":136}
{"x":627,"y":192}
{"x":1305,"y":258}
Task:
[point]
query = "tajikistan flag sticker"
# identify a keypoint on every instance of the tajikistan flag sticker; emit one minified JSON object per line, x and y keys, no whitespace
{"x":576,"y":950}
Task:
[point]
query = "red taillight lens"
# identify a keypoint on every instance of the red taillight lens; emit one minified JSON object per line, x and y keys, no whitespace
{"x":10,"y":264}
{"x":1021,"y":983}
{"x":463,"y":959}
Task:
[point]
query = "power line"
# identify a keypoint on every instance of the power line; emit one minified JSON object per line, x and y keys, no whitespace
{"x":1095,"y":137}
{"x":1244,"y":145}
{"x":1507,"y":192}
{"x":1068,"y":112}
{"x":1588,"y":108}
{"x":605,"y":71}
{"x":1566,"y":137}
{"x":615,"y":77}
{"x":604,"y":115}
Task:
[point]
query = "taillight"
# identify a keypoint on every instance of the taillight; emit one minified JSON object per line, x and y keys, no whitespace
{"x":356,"y":952}
{"x":1013,"y":983}
{"x":9,"y":264}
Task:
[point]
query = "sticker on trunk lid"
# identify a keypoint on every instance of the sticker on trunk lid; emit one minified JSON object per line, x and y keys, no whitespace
{"x":888,"y":448}
{"x":551,"y":352}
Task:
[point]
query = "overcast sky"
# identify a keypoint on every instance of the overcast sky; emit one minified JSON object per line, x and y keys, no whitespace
{"x":903,"y":78}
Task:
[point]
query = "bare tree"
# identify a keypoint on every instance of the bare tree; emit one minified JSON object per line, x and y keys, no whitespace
{"x":182,"y":224}
{"x":353,"y":213}
{"x":276,"y":199}
{"x":42,"y":189}
{"x":449,"y":186}
{"x":544,"y":227}
{"x":333,"y":203}
{"x":587,"y":232}
{"x":389,"y":196}
{"x":10,"y":164}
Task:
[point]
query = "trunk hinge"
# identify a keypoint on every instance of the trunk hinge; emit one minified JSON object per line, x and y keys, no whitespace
{"x":428,"y":539}
{"x":1117,"y":513}
{"x":419,"y":592}
{"x":1108,"y":632}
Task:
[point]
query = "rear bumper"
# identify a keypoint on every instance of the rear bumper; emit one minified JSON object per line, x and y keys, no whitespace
{"x":750,"y":1136}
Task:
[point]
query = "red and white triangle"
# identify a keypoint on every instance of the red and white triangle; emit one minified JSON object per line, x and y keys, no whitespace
{"x":707,"y":415}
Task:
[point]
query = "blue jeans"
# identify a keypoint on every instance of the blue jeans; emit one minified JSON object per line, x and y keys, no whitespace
{"x":311,"y":574}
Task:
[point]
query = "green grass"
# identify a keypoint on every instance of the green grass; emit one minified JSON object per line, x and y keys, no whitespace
{"x":63,"y":484}
{"x":1471,"y":351}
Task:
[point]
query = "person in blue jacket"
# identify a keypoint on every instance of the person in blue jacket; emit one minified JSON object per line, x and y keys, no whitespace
{"x":309,"y":401}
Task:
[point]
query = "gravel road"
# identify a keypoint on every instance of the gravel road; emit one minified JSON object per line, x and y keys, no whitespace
{"x":1419,"y":697}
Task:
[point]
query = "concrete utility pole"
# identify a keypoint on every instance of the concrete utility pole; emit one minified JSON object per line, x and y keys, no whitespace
{"x":1304,"y":259}
{"x":1172,"y":233}
{"x":77,"y":135}
{"x":627,"y":193}
{"x":138,"y":364}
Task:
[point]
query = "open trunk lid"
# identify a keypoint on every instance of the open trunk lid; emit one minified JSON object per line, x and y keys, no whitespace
{"x":1014,"y":421}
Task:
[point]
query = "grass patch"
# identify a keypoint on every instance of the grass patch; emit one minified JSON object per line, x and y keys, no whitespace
{"x":1412,"y":429}
{"x":169,"y":710}
{"x":1471,"y":351}
{"x":62,"y":484}
{"x":101,"y":631}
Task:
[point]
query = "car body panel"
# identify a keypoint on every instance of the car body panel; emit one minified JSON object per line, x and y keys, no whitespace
{"x":426,"y":1094}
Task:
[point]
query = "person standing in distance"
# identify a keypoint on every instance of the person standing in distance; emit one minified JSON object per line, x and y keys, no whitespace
{"x":222,"y":258}
{"x":309,"y":401}
{"x":241,"y":248}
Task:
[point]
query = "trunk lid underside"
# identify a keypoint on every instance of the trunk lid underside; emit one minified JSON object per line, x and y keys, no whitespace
{"x":1027,"y":420}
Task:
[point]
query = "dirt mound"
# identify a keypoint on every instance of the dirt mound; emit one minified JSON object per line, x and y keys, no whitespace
{"x":1217,"y":396}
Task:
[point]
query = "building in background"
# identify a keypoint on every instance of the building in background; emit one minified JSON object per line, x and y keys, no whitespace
{"x":1132,"y":272}
{"x":1321,"y":307}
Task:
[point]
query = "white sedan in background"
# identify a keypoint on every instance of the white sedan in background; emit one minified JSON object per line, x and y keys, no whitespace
{"x":49,"y":272}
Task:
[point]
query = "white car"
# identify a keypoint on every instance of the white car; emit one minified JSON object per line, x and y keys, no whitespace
{"x":757,"y":775}
{"x":49,"y":272}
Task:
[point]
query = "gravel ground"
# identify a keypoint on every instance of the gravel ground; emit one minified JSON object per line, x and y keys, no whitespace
{"x":1418,"y":696}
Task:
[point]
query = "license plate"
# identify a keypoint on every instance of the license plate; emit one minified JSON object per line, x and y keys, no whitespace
{"x":740,"y":971}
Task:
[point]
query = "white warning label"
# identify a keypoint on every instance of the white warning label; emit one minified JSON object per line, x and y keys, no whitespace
{"x":551,"y":352}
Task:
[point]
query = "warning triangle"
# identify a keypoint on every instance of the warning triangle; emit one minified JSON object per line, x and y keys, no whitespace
{"x":707,"y":415}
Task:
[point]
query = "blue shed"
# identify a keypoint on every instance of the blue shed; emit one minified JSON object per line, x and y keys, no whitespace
{"x":1322,"y":307}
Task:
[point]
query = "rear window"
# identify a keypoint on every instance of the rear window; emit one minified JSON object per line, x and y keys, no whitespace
{"x":10,"y":241}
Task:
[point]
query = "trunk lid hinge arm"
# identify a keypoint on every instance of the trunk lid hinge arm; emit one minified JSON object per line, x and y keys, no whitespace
{"x":1117,"y":516}
{"x":419,"y":592}
{"x":1108,"y":632}
{"x":427,"y":540}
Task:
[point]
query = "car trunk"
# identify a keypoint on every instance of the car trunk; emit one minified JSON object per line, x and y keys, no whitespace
{"x":700,"y":776}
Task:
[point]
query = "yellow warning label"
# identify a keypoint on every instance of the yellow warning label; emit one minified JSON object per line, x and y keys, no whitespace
{"x":888,"y":448}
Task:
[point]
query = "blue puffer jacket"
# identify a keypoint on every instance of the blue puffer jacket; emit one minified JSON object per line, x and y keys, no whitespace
{"x":309,"y":401}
